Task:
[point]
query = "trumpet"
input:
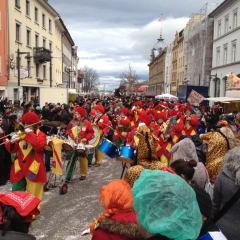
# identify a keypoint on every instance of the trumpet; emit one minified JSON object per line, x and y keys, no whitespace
{"x":19,"y":130}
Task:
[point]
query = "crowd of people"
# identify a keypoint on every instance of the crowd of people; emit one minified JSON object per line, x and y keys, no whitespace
{"x":181,"y":180}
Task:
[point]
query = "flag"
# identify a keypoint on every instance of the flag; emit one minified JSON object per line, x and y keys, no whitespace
{"x":160,"y":19}
{"x":57,"y":156}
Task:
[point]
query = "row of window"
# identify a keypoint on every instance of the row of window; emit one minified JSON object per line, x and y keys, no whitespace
{"x":36,"y":14}
{"x":29,"y":38}
{"x":225,"y":54}
{"x":226,"y":25}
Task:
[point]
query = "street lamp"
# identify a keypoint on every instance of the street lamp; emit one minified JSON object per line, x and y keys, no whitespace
{"x":18,"y":64}
{"x":69,"y":75}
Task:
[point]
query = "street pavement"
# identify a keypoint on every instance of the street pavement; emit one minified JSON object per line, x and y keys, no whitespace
{"x":64,"y":217}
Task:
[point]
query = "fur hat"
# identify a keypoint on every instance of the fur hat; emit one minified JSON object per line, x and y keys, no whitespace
{"x":100,"y":108}
{"x":185,"y":149}
{"x":30,"y":118}
{"x":81,"y":111}
{"x":187,"y":108}
{"x":145,"y":119}
{"x":124,"y":111}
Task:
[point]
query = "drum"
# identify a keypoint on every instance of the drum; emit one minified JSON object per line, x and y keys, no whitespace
{"x":89,"y":149}
{"x":80,"y":148}
{"x":96,"y":136}
{"x":107,"y":147}
{"x":48,"y":147}
{"x":126,"y":154}
{"x":68,"y":145}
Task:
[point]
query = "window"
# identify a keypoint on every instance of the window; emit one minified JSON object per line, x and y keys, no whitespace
{"x":37,"y":70}
{"x":17,"y":4}
{"x":234,"y":19}
{"x":219,"y":29}
{"x":28,"y":38}
{"x":50,"y":46}
{"x":234,"y":52}
{"x":44,"y":42}
{"x":218,"y":57}
{"x":44,"y":72}
{"x":29,"y":67}
{"x":36,"y":15}
{"x":226,"y":25}
{"x":225,"y":55}
{"x":27,"y":8}
{"x":36,"y":40}
{"x":50,"y":25}
{"x":18,"y":28}
{"x":43,"y":21}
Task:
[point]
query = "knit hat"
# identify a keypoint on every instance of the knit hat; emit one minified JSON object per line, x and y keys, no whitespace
{"x":204,"y":201}
{"x":24,"y":203}
{"x":166,"y":205}
{"x":185,"y":149}
{"x":100,"y":108}
{"x":81,"y":111}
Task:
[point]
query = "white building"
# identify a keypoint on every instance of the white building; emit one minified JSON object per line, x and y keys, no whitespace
{"x":226,"y":45}
{"x":168,"y":66}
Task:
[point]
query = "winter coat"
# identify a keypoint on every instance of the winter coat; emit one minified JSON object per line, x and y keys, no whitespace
{"x":224,"y":189}
{"x":119,"y":227}
{"x":16,"y":235}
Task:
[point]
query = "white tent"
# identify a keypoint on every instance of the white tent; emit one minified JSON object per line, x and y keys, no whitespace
{"x":167,"y":96}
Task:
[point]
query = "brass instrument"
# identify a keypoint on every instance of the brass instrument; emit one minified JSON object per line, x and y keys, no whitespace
{"x":170,"y":126}
{"x":19,"y":130}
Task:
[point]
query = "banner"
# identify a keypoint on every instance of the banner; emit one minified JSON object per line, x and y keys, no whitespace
{"x":57,"y":156}
{"x":195,"y":98}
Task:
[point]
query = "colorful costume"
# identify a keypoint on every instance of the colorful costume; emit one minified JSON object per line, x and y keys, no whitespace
{"x":190,"y":126}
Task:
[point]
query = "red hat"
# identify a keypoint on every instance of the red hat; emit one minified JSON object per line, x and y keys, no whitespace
{"x":154,"y":126}
{"x":150,"y":104}
{"x":150,"y":112}
{"x":138,"y":103}
{"x":172,"y":112}
{"x":163,"y":104}
{"x":30,"y":118}
{"x":25,"y":204}
{"x":159,"y":115}
{"x":187,"y":108}
{"x":124,"y":110}
{"x":146,"y":119}
{"x":100,"y":108}
{"x":93,"y":113}
{"x":81,"y":111}
{"x":125,"y":122}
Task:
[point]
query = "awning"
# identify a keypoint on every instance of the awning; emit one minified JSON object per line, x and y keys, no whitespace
{"x":72,"y":91}
{"x":223,"y":99}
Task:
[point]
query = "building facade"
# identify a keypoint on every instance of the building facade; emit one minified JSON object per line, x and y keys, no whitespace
{"x":168,"y":68}
{"x":3,"y":48}
{"x":226,"y":46}
{"x":181,"y":66}
{"x":33,"y":33}
{"x":174,"y":80}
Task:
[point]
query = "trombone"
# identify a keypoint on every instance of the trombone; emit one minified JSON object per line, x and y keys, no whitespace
{"x":19,"y":129}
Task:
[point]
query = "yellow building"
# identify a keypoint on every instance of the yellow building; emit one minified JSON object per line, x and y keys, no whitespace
{"x":36,"y":30}
{"x":174,"y":82}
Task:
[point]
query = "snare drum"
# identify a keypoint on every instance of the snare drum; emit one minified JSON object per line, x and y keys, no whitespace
{"x":89,"y":149}
{"x":48,"y":147}
{"x":126,"y":154}
{"x":107,"y":147}
{"x":68,"y":144}
{"x":80,"y":148}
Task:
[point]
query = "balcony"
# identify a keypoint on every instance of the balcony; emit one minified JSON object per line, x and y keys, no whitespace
{"x":41,"y":55}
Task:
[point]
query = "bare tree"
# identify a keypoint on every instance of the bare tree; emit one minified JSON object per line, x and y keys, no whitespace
{"x":129,"y":78}
{"x":90,"y":79}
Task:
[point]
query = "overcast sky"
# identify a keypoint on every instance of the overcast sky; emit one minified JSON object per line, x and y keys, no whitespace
{"x":110,"y":34}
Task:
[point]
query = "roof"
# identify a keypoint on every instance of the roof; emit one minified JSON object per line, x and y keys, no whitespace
{"x":221,"y":7}
{"x":67,"y":34}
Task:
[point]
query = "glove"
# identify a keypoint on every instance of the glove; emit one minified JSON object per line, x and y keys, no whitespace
{"x":14,"y":138}
{"x":27,"y":130}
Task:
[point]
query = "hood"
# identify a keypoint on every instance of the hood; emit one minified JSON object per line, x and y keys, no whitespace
{"x":197,"y":140}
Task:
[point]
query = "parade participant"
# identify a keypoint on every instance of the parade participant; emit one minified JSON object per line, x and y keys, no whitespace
{"x":28,"y":171}
{"x":103,"y":122}
{"x":163,"y":201}
{"x":80,"y":130}
{"x":162,"y":107}
{"x":119,"y":220}
{"x":123,"y":122}
{"x":16,"y":213}
{"x":191,"y":122}
{"x":150,"y":106}
{"x":135,"y":113}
